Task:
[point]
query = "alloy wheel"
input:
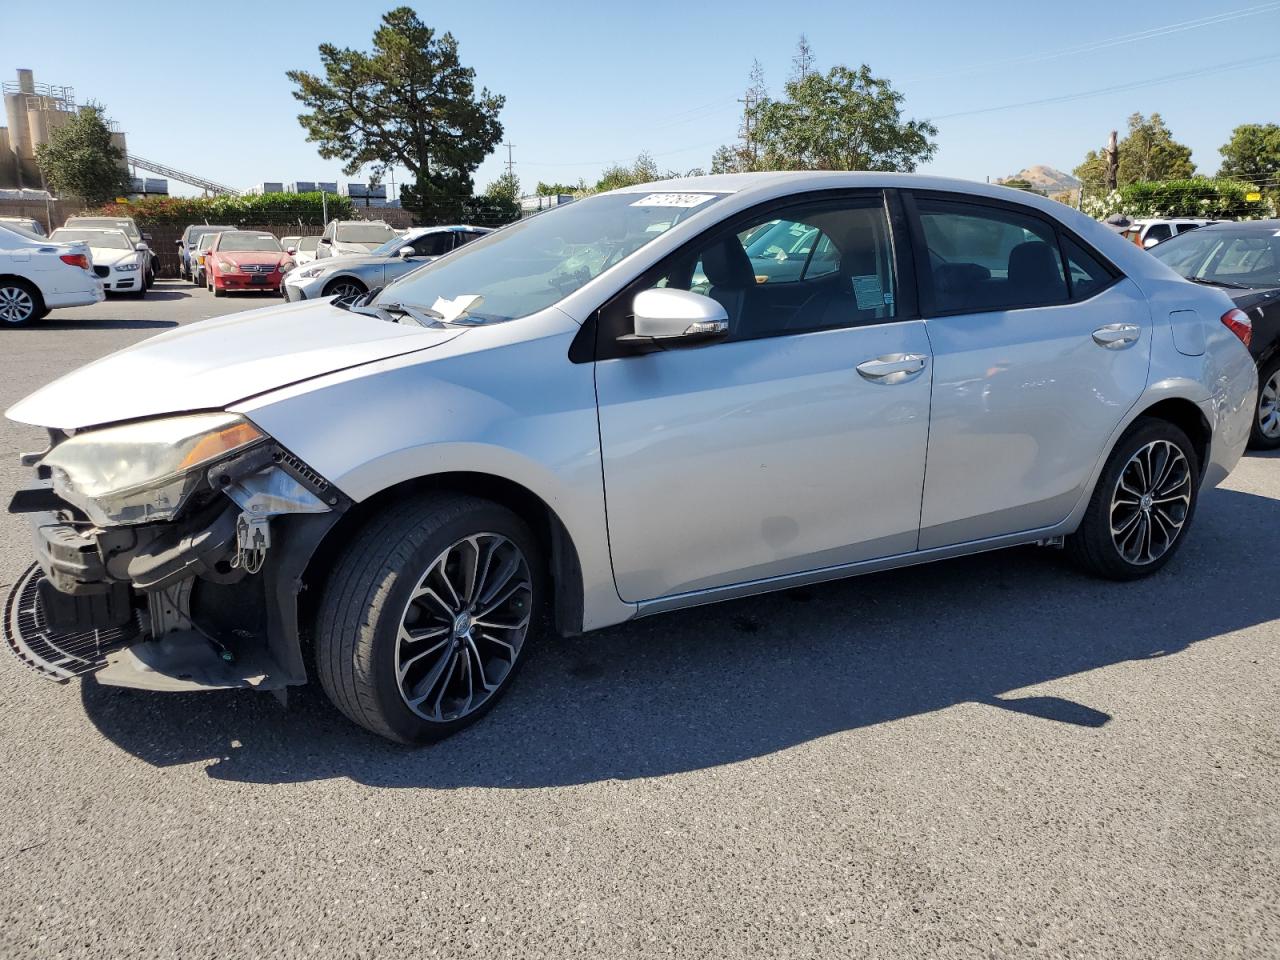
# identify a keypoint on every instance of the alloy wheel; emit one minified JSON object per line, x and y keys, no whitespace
{"x":1151,"y":501}
{"x":463,"y":627}
{"x":16,"y":305}
{"x":1269,"y":407}
{"x":345,"y":291}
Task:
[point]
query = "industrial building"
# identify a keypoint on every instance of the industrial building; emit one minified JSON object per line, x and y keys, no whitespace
{"x":33,"y":111}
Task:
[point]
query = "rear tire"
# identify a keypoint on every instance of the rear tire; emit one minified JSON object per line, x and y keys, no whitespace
{"x":392,"y":652}
{"x":20,"y":303}
{"x":1265,"y":434}
{"x":1142,"y":506}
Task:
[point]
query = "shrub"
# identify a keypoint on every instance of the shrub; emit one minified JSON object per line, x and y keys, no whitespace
{"x":1194,"y":197}
{"x":265,"y":208}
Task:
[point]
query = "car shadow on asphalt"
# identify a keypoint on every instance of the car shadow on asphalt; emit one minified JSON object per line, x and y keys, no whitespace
{"x":737,"y":680}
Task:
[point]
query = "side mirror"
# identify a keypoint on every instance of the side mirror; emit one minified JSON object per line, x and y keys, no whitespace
{"x":178,"y":241}
{"x":143,"y":246}
{"x":404,"y":253}
{"x":291,"y":250}
{"x":664,"y":314}
{"x":1149,"y":243}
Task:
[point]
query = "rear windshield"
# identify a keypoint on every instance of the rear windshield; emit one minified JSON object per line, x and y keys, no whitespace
{"x":106,"y":239}
{"x":364,"y":233}
{"x":1247,"y":258}
{"x":248,"y":241}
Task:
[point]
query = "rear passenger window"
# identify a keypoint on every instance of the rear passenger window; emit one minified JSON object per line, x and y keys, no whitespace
{"x":1158,"y":232}
{"x":987,"y":258}
{"x":1085,"y":272}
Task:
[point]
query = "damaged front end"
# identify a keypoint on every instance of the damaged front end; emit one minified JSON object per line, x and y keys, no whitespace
{"x":169,"y":556}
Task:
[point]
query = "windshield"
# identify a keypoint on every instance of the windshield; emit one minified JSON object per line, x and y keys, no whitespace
{"x":1249,"y":258}
{"x":309,"y":244}
{"x":537,"y":262}
{"x":198,"y":232}
{"x":364,"y":233}
{"x":392,"y":246}
{"x":232,"y":242}
{"x":105,"y":223}
{"x":104,"y":239}
{"x":206,"y":241}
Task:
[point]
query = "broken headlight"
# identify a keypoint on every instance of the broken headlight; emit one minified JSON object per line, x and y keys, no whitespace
{"x":143,"y":471}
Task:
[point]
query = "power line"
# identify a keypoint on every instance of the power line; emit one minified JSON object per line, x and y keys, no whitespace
{"x":1108,"y":42}
{"x":1116,"y":88}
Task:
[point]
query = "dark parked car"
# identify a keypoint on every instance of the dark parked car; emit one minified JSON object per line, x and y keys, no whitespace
{"x":187,"y":247}
{"x":1243,"y":259}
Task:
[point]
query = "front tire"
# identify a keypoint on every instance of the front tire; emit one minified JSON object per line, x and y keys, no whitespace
{"x":1142,"y":506}
{"x":427,"y":614}
{"x":1265,"y":434}
{"x":217,"y":291}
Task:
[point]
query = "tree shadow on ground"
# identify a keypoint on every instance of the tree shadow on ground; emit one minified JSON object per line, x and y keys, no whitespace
{"x":732,"y":681}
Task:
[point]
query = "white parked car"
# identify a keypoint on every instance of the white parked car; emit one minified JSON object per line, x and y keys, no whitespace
{"x":304,"y":248}
{"x":343,"y":237}
{"x":130,"y":228}
{"x":615,"y":409}
{"x":30,"y":224}
{"x":117,"y":261}
{"x":38,"y":275}
{"x":1147,"y":233}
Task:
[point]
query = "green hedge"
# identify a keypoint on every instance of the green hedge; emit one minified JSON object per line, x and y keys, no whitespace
{"x":1196,"y":197}
{"x":267,"y":208}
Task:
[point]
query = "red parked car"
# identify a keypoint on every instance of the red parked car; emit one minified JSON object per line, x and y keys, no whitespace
{"x":246,"y":260}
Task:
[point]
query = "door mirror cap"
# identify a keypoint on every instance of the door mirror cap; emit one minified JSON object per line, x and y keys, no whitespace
{"x":1149,"y":243}
{"x":404,"y":253}
{"x":291,"y":250}
{"x":665,"y":314}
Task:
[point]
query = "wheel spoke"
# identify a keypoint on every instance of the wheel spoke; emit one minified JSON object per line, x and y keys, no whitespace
{"x":406,"y":664}
{"x":506,"y":594}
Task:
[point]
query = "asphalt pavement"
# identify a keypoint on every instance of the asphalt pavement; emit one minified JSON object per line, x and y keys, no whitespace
{"x":987,"y":757}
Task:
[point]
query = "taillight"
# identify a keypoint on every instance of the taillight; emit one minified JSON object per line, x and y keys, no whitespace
{"x":75,"y":260}
{"x":1238,"y":322}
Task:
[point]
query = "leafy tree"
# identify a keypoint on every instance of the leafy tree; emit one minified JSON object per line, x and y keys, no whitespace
{"x":1147,"y":152}
{"x":644,"y":170}
{"x":556,"y":189}
{"x":1018,"y":183}
{"x":501,"y":198}
{"x":80,"y":160}
{"x":840,"y":120}
{"x":1252,"y":154}
{"x":409,"y":102}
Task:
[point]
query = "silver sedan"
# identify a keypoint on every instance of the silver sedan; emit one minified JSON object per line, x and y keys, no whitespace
{"x":349,"y":276}
{"x":627,"y":405}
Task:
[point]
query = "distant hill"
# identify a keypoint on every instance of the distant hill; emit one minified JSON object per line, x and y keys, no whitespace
{"x":1045,"y":179}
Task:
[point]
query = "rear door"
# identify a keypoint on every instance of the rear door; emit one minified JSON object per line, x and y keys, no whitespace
{"x":1034,"y":366}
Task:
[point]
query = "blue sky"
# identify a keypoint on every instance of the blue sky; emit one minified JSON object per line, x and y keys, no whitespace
{"x":202,"y":86}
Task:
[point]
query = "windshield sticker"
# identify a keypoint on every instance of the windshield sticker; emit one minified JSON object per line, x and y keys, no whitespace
{"x":868,"y":292}
{"x":673,"y":200}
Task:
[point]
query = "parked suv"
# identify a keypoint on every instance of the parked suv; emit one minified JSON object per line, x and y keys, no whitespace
{"x":551,"y":426}
{"x":1147,"y":233}
{"x":188,"y":243}
{"x":343,"y":237}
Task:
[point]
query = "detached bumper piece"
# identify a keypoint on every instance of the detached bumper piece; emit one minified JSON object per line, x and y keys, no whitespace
{"x":52,"y":633}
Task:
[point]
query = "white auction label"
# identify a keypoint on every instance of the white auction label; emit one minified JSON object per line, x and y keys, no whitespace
{"x":673,"y":200}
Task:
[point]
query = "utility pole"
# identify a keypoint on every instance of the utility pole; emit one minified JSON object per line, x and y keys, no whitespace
{"x":1113,"y":161}
{"x":748,"y":134}
{"x":511,"y":164}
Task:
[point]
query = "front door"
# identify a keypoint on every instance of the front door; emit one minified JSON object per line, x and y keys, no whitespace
{"x":797,"y":442}
{"x":1034,"y":367}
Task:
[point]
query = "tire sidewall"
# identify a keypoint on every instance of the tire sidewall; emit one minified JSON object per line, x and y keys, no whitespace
{"x":1257,"y":439}
{"x":384,"y":625}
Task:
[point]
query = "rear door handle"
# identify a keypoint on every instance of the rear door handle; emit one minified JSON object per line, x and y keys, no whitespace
{"x":1116,"y":336}
{"x":892,"y":368}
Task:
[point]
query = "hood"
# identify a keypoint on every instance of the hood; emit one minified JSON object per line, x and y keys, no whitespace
{"x":215,"y":363}
{"x":348,"y":261}
{"x":269,"y":257}
{"x":106,"y":256}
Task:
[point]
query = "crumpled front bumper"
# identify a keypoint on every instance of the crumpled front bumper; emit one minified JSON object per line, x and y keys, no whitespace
{"x":164,"y":607}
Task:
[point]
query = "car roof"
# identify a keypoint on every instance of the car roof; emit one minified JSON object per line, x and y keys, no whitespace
{"x":93,"y":230}
{"x":1248,"y":226}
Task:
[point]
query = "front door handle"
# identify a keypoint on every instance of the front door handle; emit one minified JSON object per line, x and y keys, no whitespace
{"x":1116,"y":336}
{"x":892,"y":368}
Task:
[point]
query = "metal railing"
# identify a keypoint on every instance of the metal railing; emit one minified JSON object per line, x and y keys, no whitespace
{"x":173,"y":173}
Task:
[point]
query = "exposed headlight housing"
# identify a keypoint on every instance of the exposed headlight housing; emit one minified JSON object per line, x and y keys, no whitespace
{"x":143,"y":471}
